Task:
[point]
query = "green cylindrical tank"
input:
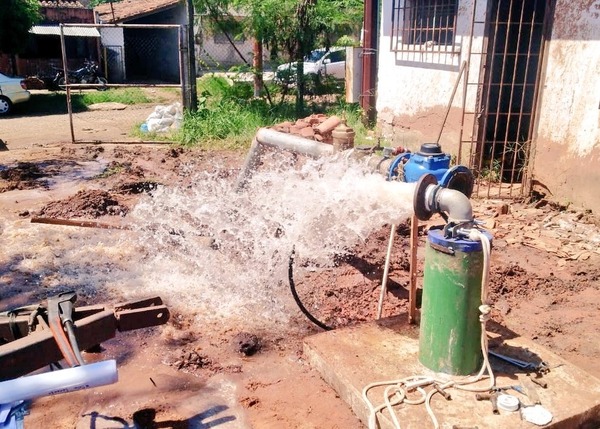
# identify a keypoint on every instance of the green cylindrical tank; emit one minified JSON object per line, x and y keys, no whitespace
{"x":450,"y":332}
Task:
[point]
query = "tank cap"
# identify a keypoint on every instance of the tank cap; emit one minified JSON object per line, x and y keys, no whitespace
{"x":508,"y":402}
{"x":429,"y":149}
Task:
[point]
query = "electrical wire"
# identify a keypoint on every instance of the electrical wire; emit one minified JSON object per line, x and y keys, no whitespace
{"x":400,"y":388}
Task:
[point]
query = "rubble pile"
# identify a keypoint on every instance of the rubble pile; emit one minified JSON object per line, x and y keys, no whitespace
{"x":316,"y":127}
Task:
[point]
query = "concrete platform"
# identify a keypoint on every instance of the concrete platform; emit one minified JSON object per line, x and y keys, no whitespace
{"x":351,"y":358}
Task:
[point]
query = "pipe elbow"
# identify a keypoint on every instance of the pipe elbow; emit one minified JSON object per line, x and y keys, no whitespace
{"x":455,"y":204}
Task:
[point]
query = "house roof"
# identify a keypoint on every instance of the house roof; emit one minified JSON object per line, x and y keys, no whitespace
{"x":73,"y":4}
{"x":54,"y":30}
{"x":129,"y":9}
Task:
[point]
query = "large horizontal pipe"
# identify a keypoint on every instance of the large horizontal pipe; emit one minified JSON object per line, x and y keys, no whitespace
{"x":269,"y":138}
{"x":293,"y":143}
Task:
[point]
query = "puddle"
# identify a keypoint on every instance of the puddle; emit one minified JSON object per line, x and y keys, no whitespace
{"x":50,"y":181}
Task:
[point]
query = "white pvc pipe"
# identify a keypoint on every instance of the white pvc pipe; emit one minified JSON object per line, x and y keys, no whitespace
{"x":386,"y":271}
{"x":61,"y":381}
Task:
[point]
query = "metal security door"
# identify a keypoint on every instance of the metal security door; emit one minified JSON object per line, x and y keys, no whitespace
{"x":508,"y":89}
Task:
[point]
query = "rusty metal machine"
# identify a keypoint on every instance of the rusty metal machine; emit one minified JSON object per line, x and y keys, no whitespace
{"x":41,"y":335}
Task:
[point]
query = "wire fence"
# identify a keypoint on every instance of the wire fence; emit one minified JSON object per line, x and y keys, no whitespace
{"x":143,"y":67}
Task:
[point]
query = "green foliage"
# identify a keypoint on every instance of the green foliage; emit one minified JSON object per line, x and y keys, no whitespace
{"x":94,"y":3}
{"x":228,"y":116}
{"x":493,"y":171}
{"x":291,"y":27}
{"x":124,"y":96}
{"x":16,"y":19}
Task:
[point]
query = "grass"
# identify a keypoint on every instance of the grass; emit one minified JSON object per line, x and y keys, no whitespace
{"x":228,"y":116}
{"x":52,"y":103}
{"x":120,"y":95}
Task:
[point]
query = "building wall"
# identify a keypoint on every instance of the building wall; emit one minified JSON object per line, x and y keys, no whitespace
{"x":413,"y":91}
{"x":215,"y":51}
{"x":566,"y":158}
{"x":66,"y":15}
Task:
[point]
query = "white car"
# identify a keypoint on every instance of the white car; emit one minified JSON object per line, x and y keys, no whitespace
{"x":12,"y":91}
{"x":320,"y":62}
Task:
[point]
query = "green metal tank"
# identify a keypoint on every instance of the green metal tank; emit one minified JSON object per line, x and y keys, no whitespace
{"x":450,"y":331}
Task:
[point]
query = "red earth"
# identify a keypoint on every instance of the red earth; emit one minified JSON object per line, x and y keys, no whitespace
{"x":195,"y":372}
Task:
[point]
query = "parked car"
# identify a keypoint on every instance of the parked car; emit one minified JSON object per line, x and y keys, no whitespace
{"x":12,"y":90}
{"x":319,"y":63}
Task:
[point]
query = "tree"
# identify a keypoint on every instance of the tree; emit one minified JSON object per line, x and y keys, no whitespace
{"x":16,"y":19}
{"x":291,"y":27}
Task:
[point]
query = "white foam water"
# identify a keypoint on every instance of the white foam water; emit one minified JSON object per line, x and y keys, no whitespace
{"x":321,"y":208}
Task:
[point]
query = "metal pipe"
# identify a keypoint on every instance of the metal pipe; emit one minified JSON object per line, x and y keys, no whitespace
{"x":293,"y":143}
{"x":452,"y":202}
{"x":275,"y":139}
{"x":369,"y":63}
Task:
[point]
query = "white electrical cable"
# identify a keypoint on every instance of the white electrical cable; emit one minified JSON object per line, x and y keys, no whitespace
{"x":400,"y":388}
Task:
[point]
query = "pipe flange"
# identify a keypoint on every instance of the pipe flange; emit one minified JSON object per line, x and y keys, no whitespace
{"x":459,"y":178}
{"x":420,"y":205}
{"x":396,"y":167}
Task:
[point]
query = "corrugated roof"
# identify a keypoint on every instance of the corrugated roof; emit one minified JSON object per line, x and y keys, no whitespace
{"x":54,"y":30}
{"x":128,"y":9}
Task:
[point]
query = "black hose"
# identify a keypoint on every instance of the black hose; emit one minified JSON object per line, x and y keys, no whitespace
{"x":297,"y":298}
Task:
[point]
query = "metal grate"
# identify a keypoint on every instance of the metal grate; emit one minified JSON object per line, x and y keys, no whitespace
{"x":507,"y":90}
{"x":424,"y":26}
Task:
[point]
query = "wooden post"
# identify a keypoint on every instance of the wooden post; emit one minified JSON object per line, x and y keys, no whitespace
{"x":412,"y":293}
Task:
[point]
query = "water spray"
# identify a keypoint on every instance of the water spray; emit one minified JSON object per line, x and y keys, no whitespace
{"x":453,"y":339}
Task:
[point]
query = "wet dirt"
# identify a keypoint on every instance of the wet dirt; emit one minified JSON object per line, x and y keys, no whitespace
{"x":191,"y":374}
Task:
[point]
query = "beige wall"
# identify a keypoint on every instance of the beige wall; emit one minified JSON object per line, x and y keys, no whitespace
{"x":414,"y":90}
{"x":566,"y":157}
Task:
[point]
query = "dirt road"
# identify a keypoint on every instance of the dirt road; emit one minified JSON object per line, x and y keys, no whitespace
{"x":194,"y":372}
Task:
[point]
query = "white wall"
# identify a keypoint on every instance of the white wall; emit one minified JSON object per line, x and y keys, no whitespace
{"x":566,"y":158}
{"x":215,"y":54}
{"x":570,"y":100}
{"x":112,"y":36}
{"x":430,"y":83}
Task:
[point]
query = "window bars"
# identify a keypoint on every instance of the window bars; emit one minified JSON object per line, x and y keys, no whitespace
{"x":424,"y":26}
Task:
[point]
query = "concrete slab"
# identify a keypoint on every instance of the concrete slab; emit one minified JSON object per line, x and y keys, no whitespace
{"x":351,"y":358}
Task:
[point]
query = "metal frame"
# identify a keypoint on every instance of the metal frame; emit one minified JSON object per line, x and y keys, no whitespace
{"x":436,"y":19}
{"x":504,"y":147}
{"x":28,"y":351}
{"x":181,"y":34}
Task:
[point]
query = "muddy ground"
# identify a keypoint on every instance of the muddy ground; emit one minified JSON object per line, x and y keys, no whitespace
{"x":545,"y":286}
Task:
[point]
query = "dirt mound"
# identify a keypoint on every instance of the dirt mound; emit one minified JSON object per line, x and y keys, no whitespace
{"x":25,"y":175}
{"x":85,"y":204}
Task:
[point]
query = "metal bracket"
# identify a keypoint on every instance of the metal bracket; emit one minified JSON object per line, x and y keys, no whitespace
{"x":26,"y":352}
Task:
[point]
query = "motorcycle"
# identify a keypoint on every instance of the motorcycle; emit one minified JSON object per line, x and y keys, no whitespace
{"x":89,"y":73}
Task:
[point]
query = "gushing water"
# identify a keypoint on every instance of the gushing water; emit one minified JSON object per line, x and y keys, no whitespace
{"x":321,"y":209}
